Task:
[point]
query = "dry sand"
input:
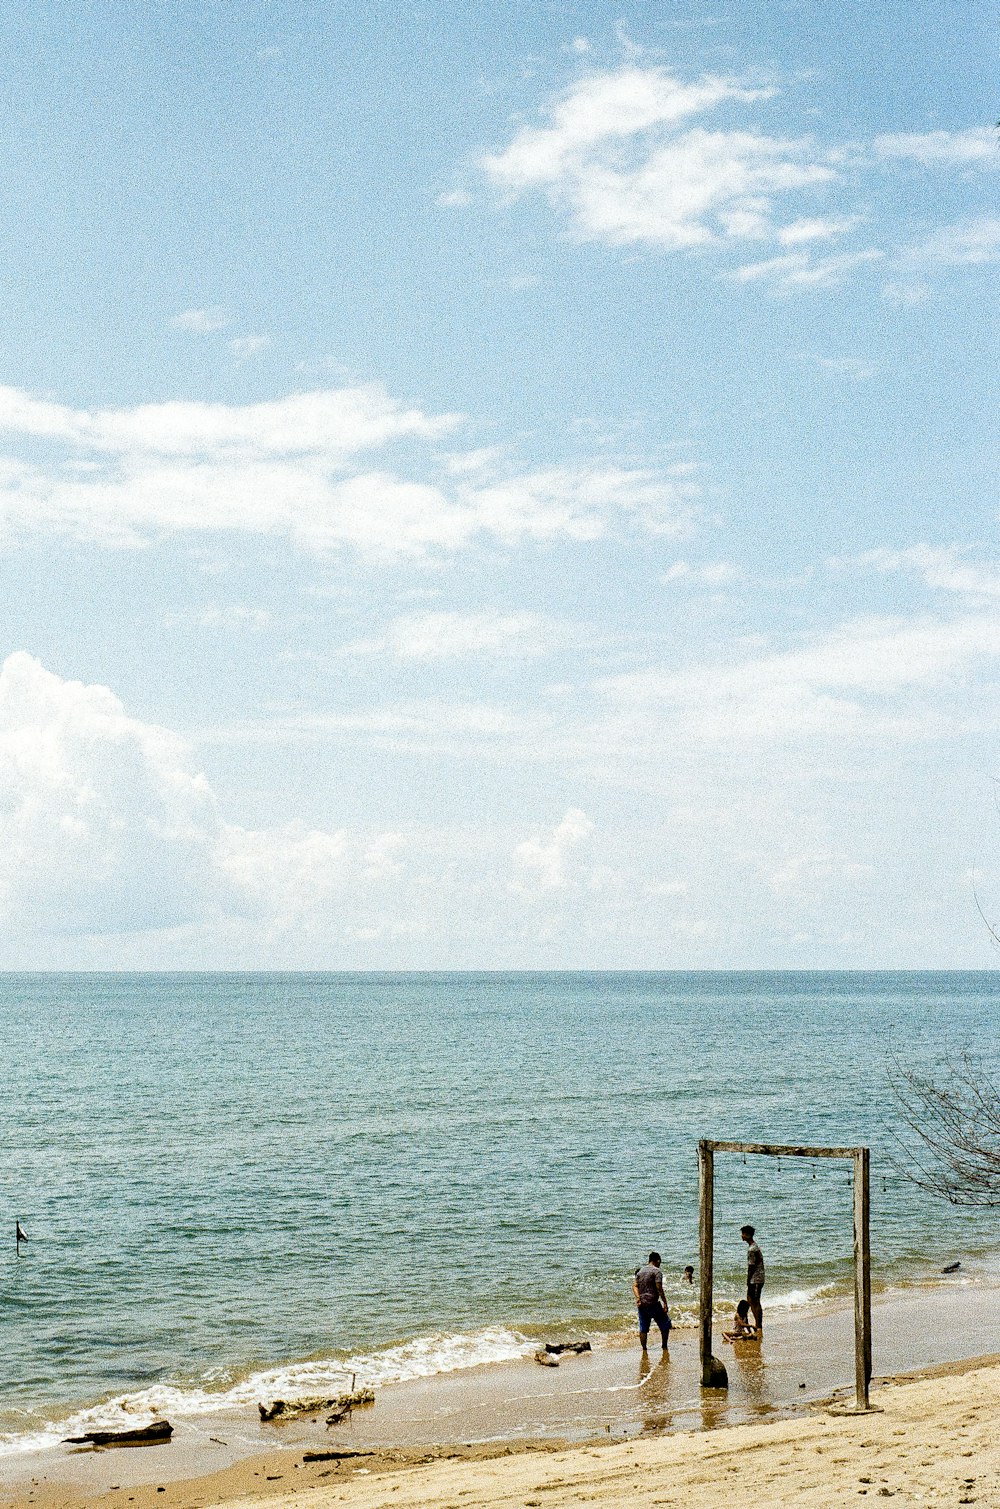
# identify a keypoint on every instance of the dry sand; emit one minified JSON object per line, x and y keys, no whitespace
{"x":935,"y":1441}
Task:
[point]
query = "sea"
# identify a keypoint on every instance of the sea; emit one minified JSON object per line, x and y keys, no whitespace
{"x":239,"y":1186}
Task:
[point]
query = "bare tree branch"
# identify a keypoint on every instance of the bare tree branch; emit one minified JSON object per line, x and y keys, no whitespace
{"x":950,"y":1142}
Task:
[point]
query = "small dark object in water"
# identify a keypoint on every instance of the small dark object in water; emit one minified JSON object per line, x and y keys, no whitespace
{"x":336,"y":1454}
{"x":143,"y":1435}
{"x":558,"y":1347}
{"x":951,"y":1268}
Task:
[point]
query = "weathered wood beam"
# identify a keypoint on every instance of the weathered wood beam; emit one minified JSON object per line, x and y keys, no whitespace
{"x":713,"y":1372}
{"x":780,"y":1150}
{"x":139,"y":1435}
{"x":862,"y":1277}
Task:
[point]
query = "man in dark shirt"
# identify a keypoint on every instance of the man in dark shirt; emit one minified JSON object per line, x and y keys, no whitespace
{"x":647,"y":1286}
{"x":755,"y":1277}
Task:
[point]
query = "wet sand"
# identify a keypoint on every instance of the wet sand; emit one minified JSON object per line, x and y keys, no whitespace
{"x":609,"y":1396}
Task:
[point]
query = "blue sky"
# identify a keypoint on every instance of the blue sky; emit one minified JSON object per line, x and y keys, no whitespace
{"x":499,"y":487}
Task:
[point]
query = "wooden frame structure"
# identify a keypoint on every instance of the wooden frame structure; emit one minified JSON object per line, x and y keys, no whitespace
{"x":713,"y":1372}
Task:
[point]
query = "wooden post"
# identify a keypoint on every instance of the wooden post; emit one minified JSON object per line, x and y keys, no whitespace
{"x":862,"y":1277}
{"x":713,"y":1373}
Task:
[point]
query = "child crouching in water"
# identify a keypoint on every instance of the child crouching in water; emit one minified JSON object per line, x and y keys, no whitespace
{"x":742,"y":1328}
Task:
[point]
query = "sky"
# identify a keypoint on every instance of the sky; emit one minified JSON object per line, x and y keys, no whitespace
{"x":499,"y":486}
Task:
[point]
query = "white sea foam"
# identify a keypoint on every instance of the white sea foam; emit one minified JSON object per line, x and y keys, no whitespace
{"x":424,"y":1358}
{"x":796,"y":1299}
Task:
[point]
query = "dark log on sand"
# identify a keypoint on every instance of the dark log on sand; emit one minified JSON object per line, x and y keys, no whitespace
{"x":287,"y":1409}
{"x":338,"y":1454}
{"x":141,"y":1435}
{"x":558,"y":1347}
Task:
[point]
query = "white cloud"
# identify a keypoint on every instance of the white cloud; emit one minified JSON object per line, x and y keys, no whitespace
{"x":605,"y":107}
{"x":104,"y":825}
{"x":711,"y":574}
{"x":227,"y":616}
{"x":333,"y":423}
{"x":941,"y":568}
{"x":544,"y":861}
{"x":246,"y":346}
{"x":621,"y":154}
{"x":292,"y":467}
{"x":446,"y":635}
{"x":614,"y":155}
{"x":112,"y":846}
{"x":203,"y":321}
{"x":817,"y":228}
{"x":805,"y":874}
{"x":857,"y":368}
{"x":578,"y":501}
{"x":975,"y":147}
{"x":801,"y":270}
{"x":967,"y":243}
{"x":906,"y":293}
{"x":853,"y":681}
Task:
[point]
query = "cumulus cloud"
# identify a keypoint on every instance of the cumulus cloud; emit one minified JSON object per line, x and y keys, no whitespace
{"x":104,"y":824}
{"x":545,"y":860}
{"x":108,"y":827}
{"x":311,"y":467}
{"x":110,"y":833}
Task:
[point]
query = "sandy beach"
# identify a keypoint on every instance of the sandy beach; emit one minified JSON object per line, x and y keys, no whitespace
{"x":931,"y":1440}
{"x":606,"y":1428}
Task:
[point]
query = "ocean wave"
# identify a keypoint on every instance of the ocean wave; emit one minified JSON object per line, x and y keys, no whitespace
{"x":426,"y":1357}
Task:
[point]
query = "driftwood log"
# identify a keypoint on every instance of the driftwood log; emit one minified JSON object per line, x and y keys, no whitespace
{"x":546,"y":1359}
{"x":140,"y":1435}
{"x":339,"y":1404}
{"x":336,"y":1454}
{"x":558,"y":1347}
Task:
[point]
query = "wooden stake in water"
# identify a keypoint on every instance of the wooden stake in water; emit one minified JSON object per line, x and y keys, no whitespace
{"x":20,"y":1235}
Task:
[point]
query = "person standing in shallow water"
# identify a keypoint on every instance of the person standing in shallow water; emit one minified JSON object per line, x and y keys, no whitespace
{"x":651,"y":1302}
{"x":755,"y":1277}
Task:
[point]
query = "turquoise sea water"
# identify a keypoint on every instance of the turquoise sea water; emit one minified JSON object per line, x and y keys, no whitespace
{"x":229,"y":1175}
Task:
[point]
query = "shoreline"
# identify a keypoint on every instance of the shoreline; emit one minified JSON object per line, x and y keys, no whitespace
{"x":508,"y":1408}
{"x":931,"y":1429}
